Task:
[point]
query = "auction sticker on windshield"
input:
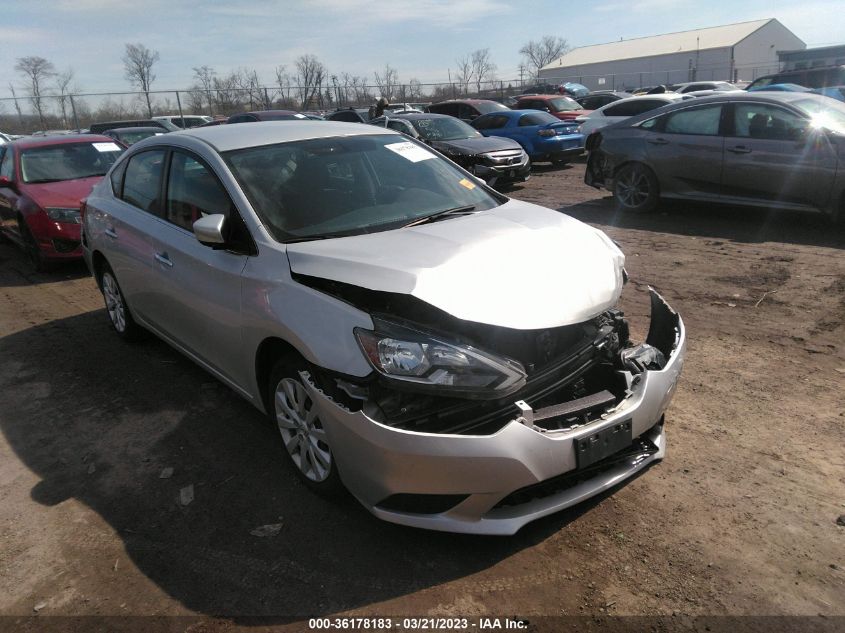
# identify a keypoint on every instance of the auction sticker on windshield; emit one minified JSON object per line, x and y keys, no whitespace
{"x":409,"y":151}
{"x":106,"y":147}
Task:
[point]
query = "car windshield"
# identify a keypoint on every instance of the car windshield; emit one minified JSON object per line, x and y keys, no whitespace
{"x":824,"y":112}
{"x":444,"y":129}
{"x":68,"y":161}
{"x":486,"y":107}
{"x":563,"y":104}
{"x":351,"y":185}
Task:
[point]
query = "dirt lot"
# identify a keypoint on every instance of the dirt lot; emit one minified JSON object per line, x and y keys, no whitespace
{"x":739,"y":519}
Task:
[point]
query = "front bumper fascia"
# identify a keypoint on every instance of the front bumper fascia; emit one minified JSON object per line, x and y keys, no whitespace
{"x":377,"y":461}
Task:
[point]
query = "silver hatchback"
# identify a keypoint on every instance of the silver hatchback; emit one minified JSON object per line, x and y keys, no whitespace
{"x":452,"y":357}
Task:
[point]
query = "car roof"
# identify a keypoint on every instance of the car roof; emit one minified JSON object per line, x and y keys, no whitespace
{"x":145,"y":128}
{"x":513,"y":114}
{"x":464,"y":101}
{"x":42,"y":141}
{"x":224,"y":138}
{"x":266,"y":113}
{"x":544,"y":97}
{"x":416,"y":116}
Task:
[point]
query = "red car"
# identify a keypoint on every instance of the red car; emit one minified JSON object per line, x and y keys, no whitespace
{"x":564,"y":108}
{"x":42,"y":184}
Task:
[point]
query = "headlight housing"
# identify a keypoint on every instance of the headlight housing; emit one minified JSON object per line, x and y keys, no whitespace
{"x":65,"y":215}
{"x":427,"y":362}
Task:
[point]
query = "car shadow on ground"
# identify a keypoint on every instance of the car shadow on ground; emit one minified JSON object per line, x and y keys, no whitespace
{"x":101,"y":425}
{"x":12,"y":258}
{"x":742,"y":224}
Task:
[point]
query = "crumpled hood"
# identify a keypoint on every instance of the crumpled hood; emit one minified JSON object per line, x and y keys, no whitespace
{"x":519,"y":266}
{"x":479,"y":145}
{"x":65,"y":193}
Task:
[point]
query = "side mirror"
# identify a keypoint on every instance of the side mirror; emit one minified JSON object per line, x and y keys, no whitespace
{"x":5,"y":182}
{"x":209,"y":230}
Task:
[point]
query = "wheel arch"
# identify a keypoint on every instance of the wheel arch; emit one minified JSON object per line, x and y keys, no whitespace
{"x":267,"y":353}
{"x":98,"y":264}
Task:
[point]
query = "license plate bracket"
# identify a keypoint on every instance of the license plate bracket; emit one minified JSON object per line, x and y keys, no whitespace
{"x":596,"y":446}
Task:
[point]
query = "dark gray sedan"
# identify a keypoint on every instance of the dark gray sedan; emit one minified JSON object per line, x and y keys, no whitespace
{"x":780,"y":150}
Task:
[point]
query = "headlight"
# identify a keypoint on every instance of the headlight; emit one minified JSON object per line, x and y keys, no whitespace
{"x":63,"y":214}
{"x":405,"y":354}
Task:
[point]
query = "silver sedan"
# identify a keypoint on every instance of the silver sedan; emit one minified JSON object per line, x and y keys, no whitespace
{"x":453,"y":358}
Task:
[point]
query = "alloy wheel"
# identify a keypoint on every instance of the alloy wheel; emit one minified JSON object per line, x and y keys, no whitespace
{"x":633,"y":188}
{"x":114,"y":302}
{"x":302,"y":432}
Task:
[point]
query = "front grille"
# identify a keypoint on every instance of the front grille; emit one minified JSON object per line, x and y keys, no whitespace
{"x":638,"y":451}
{"x":503,"y":158}
{"x":421,"y":504}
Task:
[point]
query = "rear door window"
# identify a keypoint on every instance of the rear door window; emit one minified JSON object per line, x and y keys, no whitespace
{"x":142,"y":182}
{"x":702,"y":121}
{"x":763,"y":121}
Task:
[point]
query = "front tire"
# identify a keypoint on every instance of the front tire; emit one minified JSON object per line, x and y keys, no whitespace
{"x":635,"y":188}
{"x":118,"y":312}
{"x":30,"y":247}
{"x":302,"y":433}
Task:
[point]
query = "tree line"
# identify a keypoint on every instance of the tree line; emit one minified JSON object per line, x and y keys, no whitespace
{"x":307,"y":84}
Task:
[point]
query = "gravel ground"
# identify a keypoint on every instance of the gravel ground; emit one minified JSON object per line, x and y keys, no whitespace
{"x":739,"y":519}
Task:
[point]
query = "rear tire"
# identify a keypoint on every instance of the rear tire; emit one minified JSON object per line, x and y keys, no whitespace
{"x":302,"y":433}
{"x":116,"y":308}
{"x":635,"y":188}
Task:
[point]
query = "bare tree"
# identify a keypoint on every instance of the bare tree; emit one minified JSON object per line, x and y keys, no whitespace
{"x":285,"y":83}
{"x":415,"y":90}
{"x":465,"y":72}
{"x":17,"y":105}
{"x":63,"y":85}
{"x":227,"y":93}
{"x":204,"y":77}
{"x":361,"y":91}
{"x":36,"y":71}
{"x":247,"y":82}
{"x":387,"y":81}
{"x":311,"y":73}
{"x":538,"y":54}
{"x":138,"y":62}
{"x":482,"y":67}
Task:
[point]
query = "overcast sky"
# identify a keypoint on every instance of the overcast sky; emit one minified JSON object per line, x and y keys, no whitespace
{"x":421,"y":38}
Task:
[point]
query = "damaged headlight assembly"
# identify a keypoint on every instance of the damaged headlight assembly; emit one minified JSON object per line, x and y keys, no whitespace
{"x":426,"y":362}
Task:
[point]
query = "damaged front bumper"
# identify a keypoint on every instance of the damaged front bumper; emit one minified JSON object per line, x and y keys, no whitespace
{"x":495,"y":484}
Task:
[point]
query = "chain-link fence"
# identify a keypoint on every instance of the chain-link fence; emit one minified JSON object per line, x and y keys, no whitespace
{"x":27,"y":114}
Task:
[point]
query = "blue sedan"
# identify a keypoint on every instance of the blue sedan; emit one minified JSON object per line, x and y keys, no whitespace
{"x":543,"y":137}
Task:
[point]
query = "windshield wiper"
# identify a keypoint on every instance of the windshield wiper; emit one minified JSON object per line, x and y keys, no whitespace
{"x":43,"y":180}
{"x":441,"y":215}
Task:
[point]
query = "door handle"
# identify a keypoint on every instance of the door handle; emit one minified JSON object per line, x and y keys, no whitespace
{"x":162,"y":258}
{"x":740,"y":149}
{"x":658,"y":141}
{"x":110,"y":232}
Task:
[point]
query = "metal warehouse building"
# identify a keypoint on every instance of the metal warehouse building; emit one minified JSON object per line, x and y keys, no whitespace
{"x":733,"y":52}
